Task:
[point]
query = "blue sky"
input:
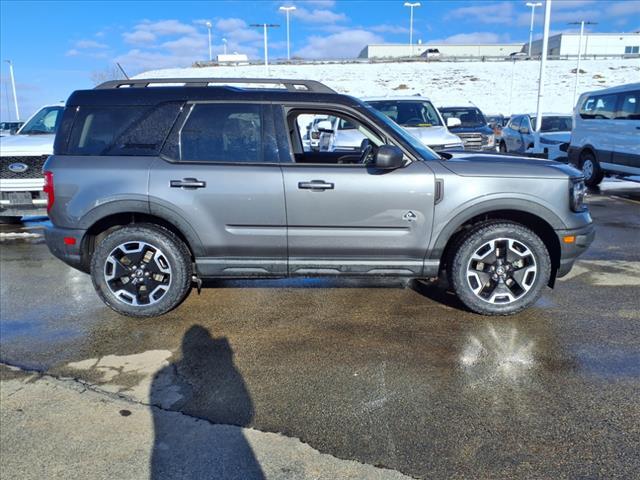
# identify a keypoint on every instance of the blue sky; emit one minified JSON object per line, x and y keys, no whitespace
{"x":57,"y":46}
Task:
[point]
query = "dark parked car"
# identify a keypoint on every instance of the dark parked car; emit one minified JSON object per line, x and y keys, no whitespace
{"x":474,"y":131}
{"x":152,"y":189}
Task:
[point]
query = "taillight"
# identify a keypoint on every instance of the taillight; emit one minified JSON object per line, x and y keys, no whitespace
{"x":49,"y":190}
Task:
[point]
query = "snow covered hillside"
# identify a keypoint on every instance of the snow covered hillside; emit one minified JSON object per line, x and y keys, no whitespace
{"x":487,"y":85}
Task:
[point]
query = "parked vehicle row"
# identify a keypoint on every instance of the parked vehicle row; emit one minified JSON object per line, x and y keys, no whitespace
{"x":519,"y":134}
{"x":9,"y":128}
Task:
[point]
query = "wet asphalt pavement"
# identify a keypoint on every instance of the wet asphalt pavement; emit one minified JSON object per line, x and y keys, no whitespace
{"x":387,"y":373}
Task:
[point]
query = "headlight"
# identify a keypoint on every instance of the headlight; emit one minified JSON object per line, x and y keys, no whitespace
{"x":577,"y":192}
{"x":489,"y":140}
{"x":549,"y":141}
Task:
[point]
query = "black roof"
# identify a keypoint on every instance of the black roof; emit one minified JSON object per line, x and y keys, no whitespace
{"x":154,"y":91}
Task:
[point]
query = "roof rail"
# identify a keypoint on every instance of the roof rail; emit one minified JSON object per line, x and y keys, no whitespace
{"x":289,"y":84}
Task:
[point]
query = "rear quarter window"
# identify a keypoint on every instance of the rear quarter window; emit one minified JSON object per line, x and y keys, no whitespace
{"x":121,"y":130}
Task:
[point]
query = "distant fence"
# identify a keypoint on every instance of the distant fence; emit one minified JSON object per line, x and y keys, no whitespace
{"x":418,"y":59}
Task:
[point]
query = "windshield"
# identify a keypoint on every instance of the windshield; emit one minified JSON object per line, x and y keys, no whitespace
{"x":469,"y":117}
{"x":409,"y":113}
{"x":420,"y":148}
{"x":44,"y":122}
{"x":554,"y":123}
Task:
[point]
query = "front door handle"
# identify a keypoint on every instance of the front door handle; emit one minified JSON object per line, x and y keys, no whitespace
{"x":315,"y":185}
{"x":187,"y":183}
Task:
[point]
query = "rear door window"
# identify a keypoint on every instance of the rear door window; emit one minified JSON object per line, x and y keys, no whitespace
{"x":222,"y":132}
{"x":599,"y":107}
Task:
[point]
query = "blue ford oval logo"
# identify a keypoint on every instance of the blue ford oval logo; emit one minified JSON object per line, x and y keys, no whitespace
{"x":18,"y":167}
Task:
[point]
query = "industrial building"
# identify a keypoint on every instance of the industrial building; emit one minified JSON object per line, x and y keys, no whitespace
{"x":592,"y":44}
{"x":399,"y":50}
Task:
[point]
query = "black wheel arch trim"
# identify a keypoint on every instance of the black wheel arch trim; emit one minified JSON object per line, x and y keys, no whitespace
{"x":489,"y":207}
{"x":145,"y":207}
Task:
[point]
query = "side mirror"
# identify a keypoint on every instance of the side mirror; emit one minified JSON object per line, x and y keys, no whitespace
{"x":325,"y":126}
{"x":388,"y":157}
{"x":453,"y":122}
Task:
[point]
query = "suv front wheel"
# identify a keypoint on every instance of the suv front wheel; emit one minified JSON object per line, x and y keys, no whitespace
{"x":499,"y":268}
{"x":141,"y":270}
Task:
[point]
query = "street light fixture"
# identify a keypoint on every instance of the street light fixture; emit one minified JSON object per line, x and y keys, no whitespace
{"x":288,"y":10}
{"x":582,"y":24}
{"x":209,"y":25}
{"x":13,"y":86}
{"x":533,"y":10}
{"x":265,"y":26}
{"x":411,"y":7}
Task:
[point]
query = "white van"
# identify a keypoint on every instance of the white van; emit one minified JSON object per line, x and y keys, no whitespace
{"x":606,"y":133}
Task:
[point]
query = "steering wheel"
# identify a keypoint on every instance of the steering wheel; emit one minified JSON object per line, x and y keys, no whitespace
{"x":367,"y":152}
{"x":414,"y":121}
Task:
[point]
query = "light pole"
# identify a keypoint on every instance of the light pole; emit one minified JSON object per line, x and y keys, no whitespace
{"x":13,"y":86}
{"x":288,"y":10}
{"x":582,"y":24}
{"x":224,"y":42}
{"x":533,"y":10}
{"x":265,"y":26}
{"x":543,"y":65}
{"x":209,"y":25}
{"x":411,"y":7}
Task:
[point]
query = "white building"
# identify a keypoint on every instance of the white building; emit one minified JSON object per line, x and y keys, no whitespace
{"x":592,"y":44}
{"x":399,"y":50}
{"x":233,"y":59}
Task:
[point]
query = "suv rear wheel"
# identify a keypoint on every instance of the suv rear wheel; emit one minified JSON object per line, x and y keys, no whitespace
{"x":141,"y":270}
{"x":499,"y":268}
{"x":591,"y":170}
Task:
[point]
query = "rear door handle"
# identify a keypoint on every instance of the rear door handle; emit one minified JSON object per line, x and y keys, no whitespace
{"x":315,"y":185}
{"x":187,"y":183}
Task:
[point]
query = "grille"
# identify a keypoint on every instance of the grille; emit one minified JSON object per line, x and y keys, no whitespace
{"x":34,"y":163}
{"x":471,"y":140}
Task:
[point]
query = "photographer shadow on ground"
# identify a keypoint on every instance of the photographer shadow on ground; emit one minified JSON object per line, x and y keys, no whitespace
{"x":205,"y":384}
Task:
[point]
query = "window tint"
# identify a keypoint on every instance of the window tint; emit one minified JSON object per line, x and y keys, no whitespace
{"x":599,"y":107}
{"x":469,"y":117}
{"x":554,"y":123}
{"x":629,"y":106}
{"x":514,"y":123}
{"x":408,"y":113}
{"x":46,"y":121}
{"x":146,"y":136}
{"x":222,"y":132}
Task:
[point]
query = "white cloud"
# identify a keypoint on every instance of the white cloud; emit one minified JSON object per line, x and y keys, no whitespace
{"x":321,"y":3}
{"x":90,"y":44}
{"x":474,"y":38}
{"x":386,"y":28}
{"x":345,"y":44}
{"x":72,"y":53}
{"x":493,"y":13}
{"x":318,"y":16}
{"x":139,"y":37}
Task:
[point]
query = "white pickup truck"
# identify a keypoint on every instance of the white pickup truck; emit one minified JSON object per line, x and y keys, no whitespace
{"x":21,"y":158}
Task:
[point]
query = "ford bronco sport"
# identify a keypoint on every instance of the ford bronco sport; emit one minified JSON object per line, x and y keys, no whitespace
{"x":156,"y":184}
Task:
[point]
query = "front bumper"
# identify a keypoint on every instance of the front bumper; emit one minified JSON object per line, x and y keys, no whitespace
{"x":69,"y":254}
{"x":569,"y":252}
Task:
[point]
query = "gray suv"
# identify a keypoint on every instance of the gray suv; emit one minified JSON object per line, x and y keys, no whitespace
{"x":157,"y":184}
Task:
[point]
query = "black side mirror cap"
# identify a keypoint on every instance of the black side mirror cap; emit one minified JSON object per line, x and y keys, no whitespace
{"x":388,"y":157}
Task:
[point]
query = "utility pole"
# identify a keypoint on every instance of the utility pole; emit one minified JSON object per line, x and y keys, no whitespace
{"x":543,"y":66}
{"x":533,"y":10}
{"x":13,"y":86}
{"x":209,"y":25}
{"x":582,"y":24}
{"x":265,"y":26}
{"x":411,"y":7}
{"x":288,"y":10}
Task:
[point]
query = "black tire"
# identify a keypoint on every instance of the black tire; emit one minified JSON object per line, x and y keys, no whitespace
{"x":591,"y":170}
{"x":10,"y":220}
{"x":475,"y":239}
{"x":502,"y":147}
{"x":174,"y":252}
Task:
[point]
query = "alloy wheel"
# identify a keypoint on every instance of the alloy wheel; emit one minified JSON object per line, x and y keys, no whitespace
{"x":502,"y":271}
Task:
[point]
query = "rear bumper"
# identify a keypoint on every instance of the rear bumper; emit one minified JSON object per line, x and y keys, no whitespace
{"x":569,"y":252}
{"x":69,"y":254}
